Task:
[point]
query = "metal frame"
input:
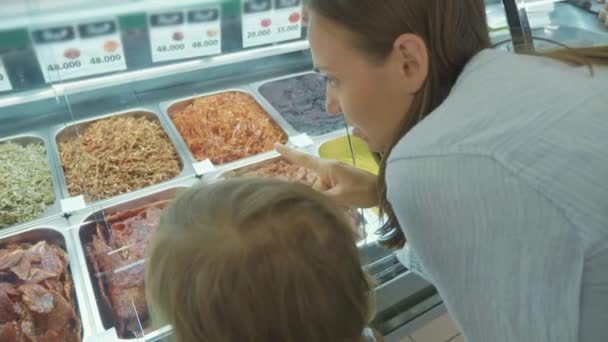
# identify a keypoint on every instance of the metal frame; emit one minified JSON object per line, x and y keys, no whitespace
{"x":519,"y":25}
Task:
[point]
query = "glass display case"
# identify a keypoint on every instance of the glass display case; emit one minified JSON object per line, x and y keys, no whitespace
{"x":108,"y":108}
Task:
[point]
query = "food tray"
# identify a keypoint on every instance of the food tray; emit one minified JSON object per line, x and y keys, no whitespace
{"x":54,"y":209}
{"x":171,"y":107}
{"x":73,"y":130}
{"x":64,"y":241}
{"x":273,"y":108}
{"x":102,"y":312}
{"x":371,"y":220}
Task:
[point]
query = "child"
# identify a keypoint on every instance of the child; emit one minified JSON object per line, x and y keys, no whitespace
{"x":258,"y":260}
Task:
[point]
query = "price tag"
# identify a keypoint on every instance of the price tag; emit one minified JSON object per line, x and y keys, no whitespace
{"x":203,"y":167}
{"x":302,"y":140}
{"x":67,"y":52}
{"x":5,"y":82}
{"x":73,"y":204}
{"x":185,"y":34}
{"x":268,"y":21}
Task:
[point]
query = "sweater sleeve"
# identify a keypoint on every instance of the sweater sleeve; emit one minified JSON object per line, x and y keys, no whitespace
{"x":504,"y":258}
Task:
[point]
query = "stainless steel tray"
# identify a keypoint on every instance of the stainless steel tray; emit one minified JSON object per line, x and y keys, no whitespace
{"x":170,"y":107}
{"x":372,"y":221}
{"x":54,"y":209}
{"x":271,"y":108}
{"x":83,"y":231}
{"x":52,"y":234}
{"x":63,"y":132}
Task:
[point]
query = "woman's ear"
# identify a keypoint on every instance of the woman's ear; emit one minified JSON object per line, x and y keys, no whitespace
{"x":411,"y":57}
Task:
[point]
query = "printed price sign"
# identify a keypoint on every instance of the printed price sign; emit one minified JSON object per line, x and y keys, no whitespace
{"x":5,"y":82}
{"x":185,"y":34}
{"x":270,"y":21}
{"x":67,"y":52}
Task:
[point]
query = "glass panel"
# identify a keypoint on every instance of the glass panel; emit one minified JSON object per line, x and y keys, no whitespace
{"x":575,"y":23}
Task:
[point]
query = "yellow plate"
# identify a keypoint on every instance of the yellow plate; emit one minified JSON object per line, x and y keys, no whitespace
{"x":339,"y":149}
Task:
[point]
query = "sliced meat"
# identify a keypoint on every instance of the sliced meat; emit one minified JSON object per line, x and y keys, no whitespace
{"x":23,"y":268}
{"x":37,"y":298}
{"x":9,"y":289}
{"x":37,"y":275}
{"x":52,"y":258}
{"x":57,"y":319}
{"x":9,"y":332}
{"x":7,"y":309}
{"x":10,"y":258}
{"x":51,"y":336}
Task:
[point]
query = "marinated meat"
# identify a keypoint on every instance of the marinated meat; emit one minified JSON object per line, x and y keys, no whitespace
{"x":7,"y":308}
{"x":282,"y":169}
{"x":117,"y":155}
{"x":301,"y":101}
{"x":9,"y":258}
{"x":36,"y":297}
{"x":9,"y":332}
{"x":117,"y":257}
{"x":226,"y":127}
{"x":26,"y":188}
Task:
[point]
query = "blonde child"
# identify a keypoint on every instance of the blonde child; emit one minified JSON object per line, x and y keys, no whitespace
{"x":258,"y":260}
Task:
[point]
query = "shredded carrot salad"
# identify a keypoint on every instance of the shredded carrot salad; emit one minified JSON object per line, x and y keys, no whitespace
{"x":226,"y":127}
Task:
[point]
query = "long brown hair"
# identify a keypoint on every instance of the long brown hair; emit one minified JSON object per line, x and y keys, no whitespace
{"x":454,"y":31}
{"x":257,"y":260}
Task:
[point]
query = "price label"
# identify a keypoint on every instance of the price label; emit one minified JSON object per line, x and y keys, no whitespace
{"x":185,"y":34}
{"x":5,"y":82}
{"x":270,"y":21}
{"x":67,"y":52}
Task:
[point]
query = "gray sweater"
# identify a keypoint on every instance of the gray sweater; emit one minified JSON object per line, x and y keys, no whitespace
{"x":502,"y":193}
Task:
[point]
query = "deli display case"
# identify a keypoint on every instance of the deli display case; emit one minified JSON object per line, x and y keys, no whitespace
{"x":109,"y":108}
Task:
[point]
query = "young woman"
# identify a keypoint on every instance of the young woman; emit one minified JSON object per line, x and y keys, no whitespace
{"x":495,"y":165}
{"x":260,"y":261}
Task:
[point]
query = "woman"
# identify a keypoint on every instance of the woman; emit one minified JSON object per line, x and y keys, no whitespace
{"x":495,"y":165}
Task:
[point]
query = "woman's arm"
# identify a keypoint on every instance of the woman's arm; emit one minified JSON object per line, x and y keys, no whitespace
{"x":505,"y":259}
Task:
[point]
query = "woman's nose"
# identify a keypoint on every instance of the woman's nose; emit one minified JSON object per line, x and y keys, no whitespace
{"x":332,"y":106}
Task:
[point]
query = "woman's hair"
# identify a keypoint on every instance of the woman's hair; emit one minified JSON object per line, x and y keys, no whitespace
{"x":454,"y":31}
{"x":257,"y":260}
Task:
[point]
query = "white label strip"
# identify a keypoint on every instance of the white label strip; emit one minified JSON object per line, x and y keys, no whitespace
{"x":5,"y":82}
{"x":105,"y":336}
{"x":74,"y":51}
{"x":302,"y":140}
{"x":203,"y":167}
{"x":73,"y":204}
{"x":266,"y":21}
{"x":185,"y":34}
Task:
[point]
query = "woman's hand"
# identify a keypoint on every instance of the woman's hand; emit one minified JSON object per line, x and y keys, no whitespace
{"x":347,"y":185}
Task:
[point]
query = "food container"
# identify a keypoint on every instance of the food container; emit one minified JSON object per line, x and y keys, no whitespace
{"x":108,"y":311}
{"x":53,"y":236}
{"x":339,"y":149}
{"x":300,"y":100}
{"x":368,"y":220}
{"x":222,"y":156}
{"x":134,"y":169}
{"x":52,"y":206}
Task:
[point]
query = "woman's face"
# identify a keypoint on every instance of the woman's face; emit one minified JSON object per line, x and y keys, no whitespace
{"x":374,"y":96}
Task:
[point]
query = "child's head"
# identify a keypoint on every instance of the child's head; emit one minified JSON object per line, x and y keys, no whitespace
{"x":257,"y":260}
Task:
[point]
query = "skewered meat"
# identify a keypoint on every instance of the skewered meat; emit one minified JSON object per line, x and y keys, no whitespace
{"x":117,"y":256}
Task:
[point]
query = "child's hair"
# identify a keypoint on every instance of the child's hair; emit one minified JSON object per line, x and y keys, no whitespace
{"x":257,"y":260}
